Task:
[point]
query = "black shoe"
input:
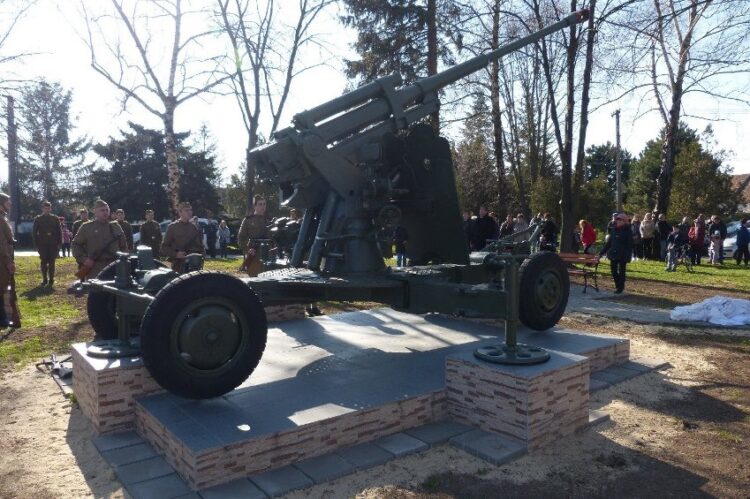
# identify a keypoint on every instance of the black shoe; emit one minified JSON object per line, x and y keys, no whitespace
{"x":52,"y":282}
{"x":44,"y":281}
{"x":618,"y":291}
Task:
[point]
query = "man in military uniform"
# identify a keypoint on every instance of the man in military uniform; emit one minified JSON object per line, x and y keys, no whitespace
{"x":126,"y":227}
{"x":182,"y":238}
{"x":253,"y":228}
{"x":151,"y":233}
{"x":7,"y":267}
{"x":97,"y":242}
{"x":47,"y":236}
{"x":83,"y":217}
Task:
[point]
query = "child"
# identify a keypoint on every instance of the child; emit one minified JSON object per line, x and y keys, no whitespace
{"x":675,"y":243}
{"x":715,"y":249}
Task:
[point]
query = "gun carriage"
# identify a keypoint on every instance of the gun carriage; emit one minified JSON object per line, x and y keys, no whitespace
{"x":355,"y":166}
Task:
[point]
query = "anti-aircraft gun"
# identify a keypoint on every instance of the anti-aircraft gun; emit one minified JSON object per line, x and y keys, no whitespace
{"x":356,"y":165}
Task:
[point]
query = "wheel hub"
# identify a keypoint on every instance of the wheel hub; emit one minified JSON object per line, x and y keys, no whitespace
{"x":548,"y":290}
{"x":209,"y":337}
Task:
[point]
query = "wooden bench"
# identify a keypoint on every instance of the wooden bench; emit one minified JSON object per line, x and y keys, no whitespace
{"x":582,"y":264}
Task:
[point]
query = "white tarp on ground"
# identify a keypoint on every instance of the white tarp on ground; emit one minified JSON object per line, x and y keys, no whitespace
{"x":719,"y":310}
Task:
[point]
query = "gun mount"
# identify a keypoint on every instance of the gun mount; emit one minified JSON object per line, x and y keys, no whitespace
{"x":357,"y":166}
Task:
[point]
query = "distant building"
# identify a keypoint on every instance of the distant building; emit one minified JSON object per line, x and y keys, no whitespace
{"x":741,"y":183}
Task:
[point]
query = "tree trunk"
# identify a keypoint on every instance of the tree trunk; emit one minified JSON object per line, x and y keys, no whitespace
{"x":170,"y":148}
{"x":432,"y":53}
{"x":566,"y":201}
{"x":503,"y":200}
{"x":584,"y":118}
{"x":668,"y":154}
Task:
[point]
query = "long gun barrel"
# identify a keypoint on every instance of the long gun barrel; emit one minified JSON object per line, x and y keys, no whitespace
{"x":327,"y":141}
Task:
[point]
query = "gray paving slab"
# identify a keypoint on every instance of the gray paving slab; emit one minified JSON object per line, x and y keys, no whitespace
{"x":597,"y":384}
{"x":129,"y":454}
{"x":242,"y":488}
{"x":163,"y":487}
{"x":489,"y":446}
{"x":281,"y":481}
{"x":141,"y":471}
{"x":596,"y":416}
{"x":611,"y":377}
{"x":625,"y":372}
{"x":401,"y":444}
{"x":365,"y":455}
{"x":437,"y":433}
{"x":652,"y":363}
{"x":325,"y":468}
{"x":117,"y":440}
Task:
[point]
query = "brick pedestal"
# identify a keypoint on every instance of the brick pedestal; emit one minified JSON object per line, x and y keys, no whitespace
{"x":106,"y":389}
{"x":531,"y":404}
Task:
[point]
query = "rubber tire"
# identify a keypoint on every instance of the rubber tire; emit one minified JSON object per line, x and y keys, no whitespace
{"x":165,"y":365}
{"x":531,"y":312}
{"x":100,"y":306}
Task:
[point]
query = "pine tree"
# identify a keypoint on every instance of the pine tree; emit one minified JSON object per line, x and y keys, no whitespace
{"x":52,"y":162}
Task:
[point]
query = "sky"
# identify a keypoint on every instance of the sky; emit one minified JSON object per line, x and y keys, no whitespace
{"x":53,"y":28}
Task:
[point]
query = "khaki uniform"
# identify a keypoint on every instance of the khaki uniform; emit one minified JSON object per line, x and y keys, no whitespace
{"x":6,"y":252}
{"x":99,"y":241}
{"x":47,"y":235}
{"x":253,"y":227}
{"x":77,"y":225}
{"x":128,"y":230}
{"x":151,"y":236}
{"x":181,"y":236}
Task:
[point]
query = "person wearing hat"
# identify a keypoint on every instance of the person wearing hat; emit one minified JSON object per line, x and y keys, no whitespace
{"x":97,"y":242}
{"x":47,"y":237}
{"x":618,"y":246}
{"x":151,"y":233}
{"x":83,"y":217}
{"x":7,"y":267}
{"x":253,"y":227}
{"x":125,"y":226}
{"x":182,"y":238}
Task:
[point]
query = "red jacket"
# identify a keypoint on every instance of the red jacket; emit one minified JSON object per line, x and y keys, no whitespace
{"x":588,"y":235}
{"x":696,"y":236}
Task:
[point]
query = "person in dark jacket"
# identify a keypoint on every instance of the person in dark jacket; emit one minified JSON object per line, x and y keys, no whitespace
{"x":548,"y":234}
{"x":618,"y":247}
{"x":508,"y":227}
{"x":484,"y":228}
{"x":717,"y":225}
{"x":468,"y":225}
{"x":664,"y":229}
{"x":743,"y":240}
{"x":400,"y":237}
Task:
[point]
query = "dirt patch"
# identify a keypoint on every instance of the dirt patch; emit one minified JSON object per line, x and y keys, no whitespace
{"x":683,"y":431}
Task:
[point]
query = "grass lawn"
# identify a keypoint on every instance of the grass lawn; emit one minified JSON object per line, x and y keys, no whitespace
{"x":730,"y":277}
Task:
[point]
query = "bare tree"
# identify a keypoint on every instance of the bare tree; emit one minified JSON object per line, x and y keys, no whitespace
{"x":267,"y":54}
{"x":137,"y":68}
{"x":11,"y":13}
{"x":683,"y":47}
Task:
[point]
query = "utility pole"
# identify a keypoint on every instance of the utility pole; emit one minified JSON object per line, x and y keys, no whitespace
{"x":15,"y":192}
{"x":618,"y":170}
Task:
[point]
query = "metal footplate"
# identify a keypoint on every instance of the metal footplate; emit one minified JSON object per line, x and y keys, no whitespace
{"x":512,"y":352}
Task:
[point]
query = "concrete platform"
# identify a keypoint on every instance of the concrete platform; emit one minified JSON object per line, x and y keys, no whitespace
{"x":329,"y":383}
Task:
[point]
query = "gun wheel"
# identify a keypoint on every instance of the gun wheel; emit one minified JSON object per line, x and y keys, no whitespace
{"x":544,"y":288}
{"x":203,"y":334}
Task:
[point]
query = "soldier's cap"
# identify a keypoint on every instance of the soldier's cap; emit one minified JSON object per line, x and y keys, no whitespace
{"x":83,"y":210}
{"x":119,"y":210}
{"x":149,"y":211}
{"x":3,"y":197}
{"x":46,"y":203}
{"x":99,"y":203}
{"x":185,"y":205}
